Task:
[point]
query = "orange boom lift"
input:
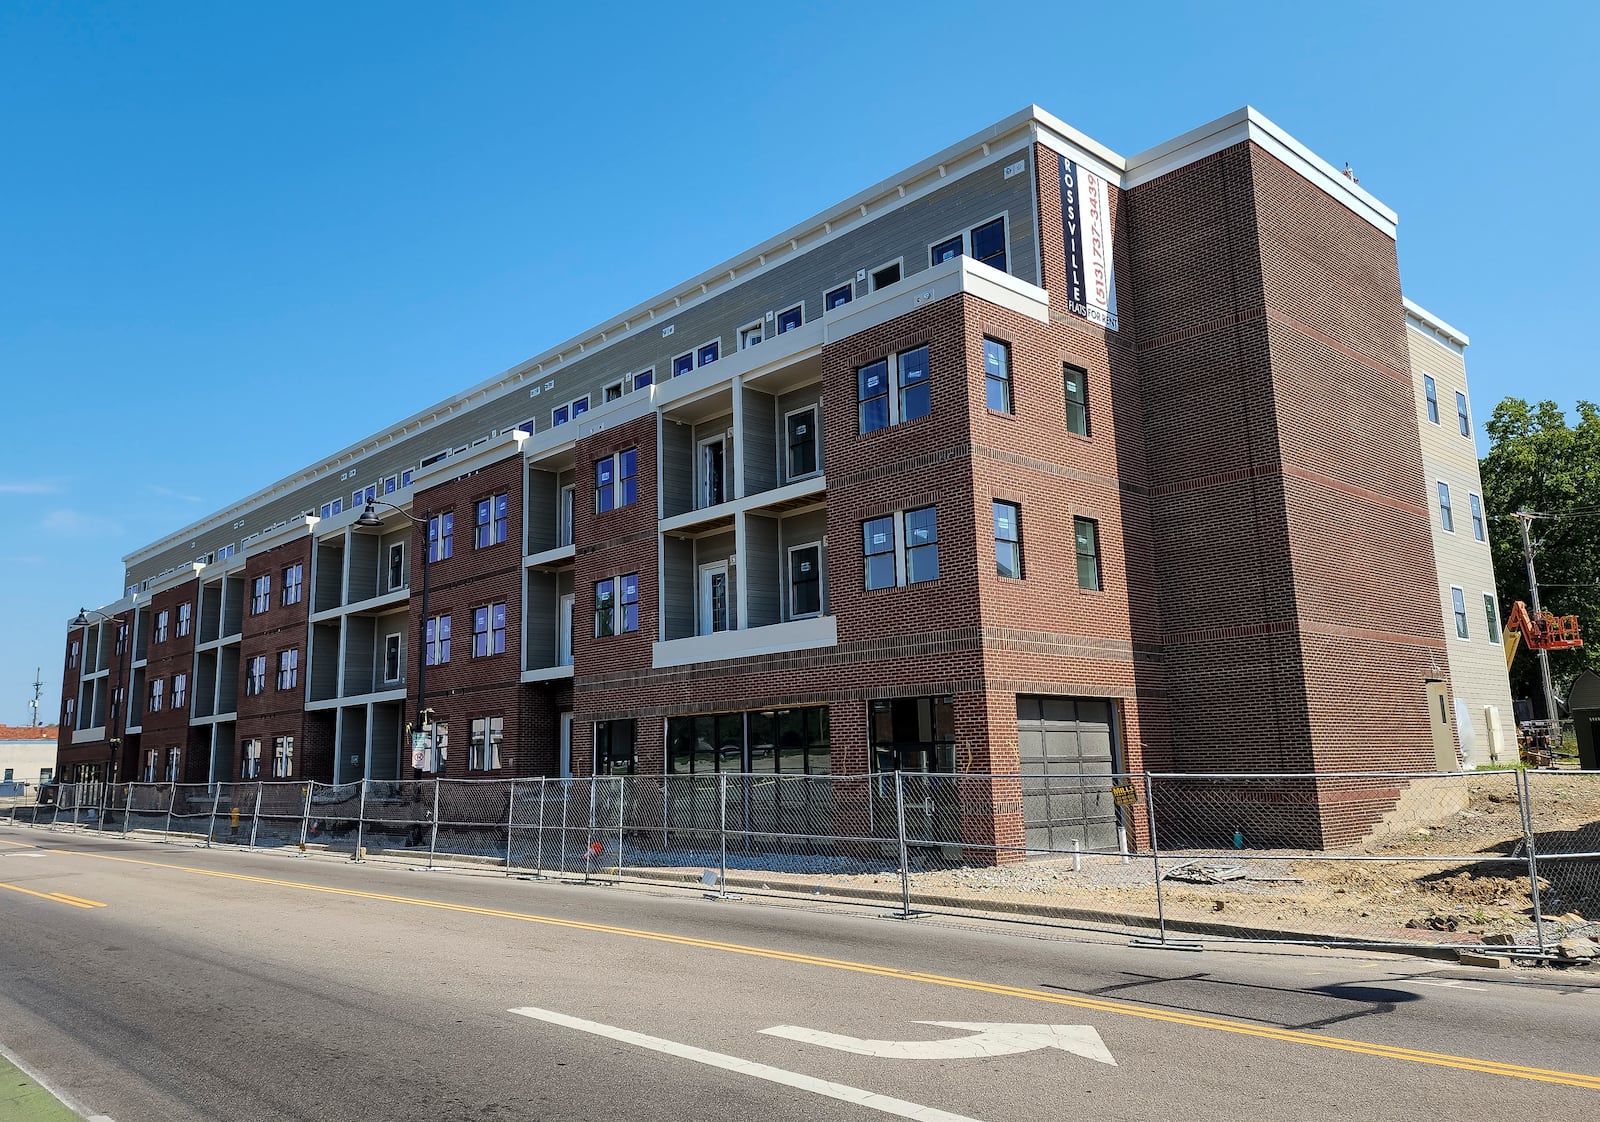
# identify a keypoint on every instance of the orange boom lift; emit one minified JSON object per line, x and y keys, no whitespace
{"x":1543,"y":632}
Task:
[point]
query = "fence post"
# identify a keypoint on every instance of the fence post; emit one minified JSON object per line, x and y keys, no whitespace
{"x":622,"y":813}
{"x":305,"y":815}
{"x":538,"y":856}
{"x":433,"y":834}
{"x":172,"y":801}
{"x":105,"y":805}
{"x":566,"y":797}
{"x":722,"y":829}
{"x":588,"y":841}
{"x":361,"y":821}
{"x":255,"y":815}
{"x":905,"y":853}
{"x":127,"y":810}
{"x":1155,"y":856}
{"x":216,"y":800}
{"x":511,"y":810}
{"x":1525,"y":801}
{"x":77,"y":797}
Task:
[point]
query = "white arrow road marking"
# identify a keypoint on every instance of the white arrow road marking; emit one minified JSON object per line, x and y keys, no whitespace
{"x":883,"y":1103}
{"x":991,"y":1040}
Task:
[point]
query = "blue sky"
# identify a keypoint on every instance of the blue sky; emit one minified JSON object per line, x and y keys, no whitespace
{"x":235,"y":237}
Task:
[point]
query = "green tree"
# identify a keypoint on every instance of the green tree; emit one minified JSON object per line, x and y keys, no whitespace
{"x":1539,"y":462}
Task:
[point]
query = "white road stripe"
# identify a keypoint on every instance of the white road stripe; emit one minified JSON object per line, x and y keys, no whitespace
{"x":1448,"y":983}
{"x":883,"y":1103}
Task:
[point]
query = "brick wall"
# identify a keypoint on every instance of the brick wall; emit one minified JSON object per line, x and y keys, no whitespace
{"x":281,"y":627}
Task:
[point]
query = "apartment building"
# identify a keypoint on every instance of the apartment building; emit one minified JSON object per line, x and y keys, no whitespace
{"x":1478,"y":712}
{"x":1032,"y":457}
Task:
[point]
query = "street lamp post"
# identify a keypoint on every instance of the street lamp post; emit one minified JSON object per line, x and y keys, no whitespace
{"x":369,"y":520}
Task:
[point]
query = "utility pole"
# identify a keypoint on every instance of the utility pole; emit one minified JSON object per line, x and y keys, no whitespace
{"x":1524,"y":519}
{"x":38,"y":688}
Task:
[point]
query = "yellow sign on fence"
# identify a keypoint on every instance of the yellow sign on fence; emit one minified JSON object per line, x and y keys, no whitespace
{"x":1124,"y":794}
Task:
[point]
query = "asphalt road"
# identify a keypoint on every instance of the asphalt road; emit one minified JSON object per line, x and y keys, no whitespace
{"x":156,"y":983}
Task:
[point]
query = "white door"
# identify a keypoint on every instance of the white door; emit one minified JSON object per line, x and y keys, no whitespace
{"x":713,"y":598}
{"x":713,"y":474}
{"x":564,"y":632}
{"x":564,"y":516}
{"x":566,"y":746}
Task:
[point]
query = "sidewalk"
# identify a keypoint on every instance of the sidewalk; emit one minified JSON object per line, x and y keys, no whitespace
{"x":23,"y":1100}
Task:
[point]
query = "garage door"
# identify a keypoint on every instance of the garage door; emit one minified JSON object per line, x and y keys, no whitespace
{"x":1069,"y":757}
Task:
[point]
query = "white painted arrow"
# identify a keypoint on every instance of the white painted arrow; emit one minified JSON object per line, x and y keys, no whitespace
{"x":989,"y":1040}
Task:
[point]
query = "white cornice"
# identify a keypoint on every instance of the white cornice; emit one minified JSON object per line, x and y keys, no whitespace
{"x":1453,"y":337}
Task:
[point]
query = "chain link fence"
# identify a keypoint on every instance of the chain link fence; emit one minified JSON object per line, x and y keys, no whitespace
{"x":1504,"y":858}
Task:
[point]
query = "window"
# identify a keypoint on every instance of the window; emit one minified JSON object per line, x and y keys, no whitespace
{"x":488,"y":630}
{"x":1008,"y":539}
{"x":405,"y":477}
{"x":997,"y":375}
{"x":786,"y":741}
{"x":1074,"y":384}
{"x":160,"y":635}
{"x":877,"y":408}
{"x":800,"y":432}
{"x":157,"y":688}
{"x":945,"y":250}
{"x":441,"y":536}
{"x":912,"y":734}
{"x":1445,"y":517}
{"x":72,"y":656}
{"x":180,"y":690}
{"x":750,"y":336}
{"x":391,"y":483}
{"x":174,"y":755}
{"x":483,"y":745}
{"x":1476,"y":504}
{"x":1458,"y":602}
{"x":1463,"y":422}
{"x":1086,"y":536}
{"x":886,"y":275}
{"x":989,"y":243}
{"x":682,"y":364}
{"x":226,"y":551}
{"x":1431,"y":392}
{"x":613,"y":748}
{"x":71,"y":709}
{"x":564,"y":515}
{"x":709,"y":352}
{"x":805,"y":580}
{"x":293,"y":579}
{"x":391,"y":658}
{"x":616,"y":480}
{"x":838,"y":298}
{"x":122,"y":637}
{"x":255,"y":678}
{"x":282,"y":757}
{"x":612,"y":392}
{"x":328,"y":510}
{"x":250,"y":759}
{"x":152,"y":760}
{"x":791,"y":319}
{"x":616,"y":605}
{"x":491,"y":521}
{"x":1491,"y":614}
{"x":185,"y":619}
{"x":288,"y":668}
{"x":397,"y":565}
{"x":365,"y":495}
{"x":580,"y":406}
{"x":644,"y":378}
{"x":436,"y":641}
{"x":560,"y":415}
{"x":901,"y":548}
{"x":260,"y":595}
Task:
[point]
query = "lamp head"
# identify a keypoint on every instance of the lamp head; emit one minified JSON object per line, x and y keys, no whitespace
{"x":369,"y":519}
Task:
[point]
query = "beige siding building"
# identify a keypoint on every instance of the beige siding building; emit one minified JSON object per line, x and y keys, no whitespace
{"x":1480,"y":690}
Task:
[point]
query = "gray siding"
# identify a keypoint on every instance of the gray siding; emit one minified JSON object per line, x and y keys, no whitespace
{"x":329,"y":575}
{"x":363,"y":566}
{"x":544,"y":615}
{"x":760,"y":449}
{"x":352,"y":742}
{"x":358,"y":644}
{"x":540,"y":498}
{"x":677,"y":468}
{"x":762,"y":572}
{"x":678,"y":586}
{"x":906,"y":232}
{"x":385,"y":741}
{"x":324,"y":661}
{"x":228,"y":680}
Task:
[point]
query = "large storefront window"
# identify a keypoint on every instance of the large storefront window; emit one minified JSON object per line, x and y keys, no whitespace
{"x":613,"y":748}
{"x":913,"y":734}
{"x":769,"y":741}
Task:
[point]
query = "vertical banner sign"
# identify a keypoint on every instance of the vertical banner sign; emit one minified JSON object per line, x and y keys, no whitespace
{"x":1086,"y":228}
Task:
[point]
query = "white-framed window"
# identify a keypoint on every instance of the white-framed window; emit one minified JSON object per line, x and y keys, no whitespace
{"x":158,"y":687}
{"x":363,"y":496}
{"x":282,"y":757}
{"x":250,"y":759}
{"x":682,"y":364}
{"x":791,"y":318}
{"x":644,"y":379}
{"x":327,"y":510}
{"x":72,"y":655}
{"x":1430,"y":394}
{"x":802,"y":456}
{"x":880,"y":405}
{"x":616,"y":481}
{"x":152,"y":761}
{"x":1479,"y":531}
{"x":611,"y":392}
{"x":886,"y":274}
{"x":180,"y":690}
{"x":160,"y":633}
{"x":1446,"y":518}
{"x":1007,"y":539}
{"x":1491,"y":616}
{"x":571,"y":411}
{"x":997,"y":375}
{"x":805,"y":580}
{"x":564,"y":501}
{"x":901,"y":548}
{"x":288,"y":668}
{"x":707,"y":353}
{"x":1086,"y":544}
{"x":293,"y":583}
{"x":1458,"y":605}
{"x":488,"y":630}
{"x":751,"y":335}
{"x":391,"y":658}
{"x":441,"y":536}
{"x":616,"y":605}
{"x":255,"y":677}
{"x":1075,"y":392}
{"x":1463,"y":418}
{"x":491,"y":524}
{"x":174,"y":757}
{"x":483,"y":745}
{"x":185,"y":618}
{"x":984,"y":242}
{"x":391,"y":484}
{"x":405,"y":477}
{"x":260,"y":594}
{"x":436,"y":640}
{"x":838,"y":297}
{"x":226,"y":551}
{"x":70,"y":711}
{"x":397,"y":565}
{"x":950,"y":247}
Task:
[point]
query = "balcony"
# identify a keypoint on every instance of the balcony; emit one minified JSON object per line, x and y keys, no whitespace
{"x":796,"y":635}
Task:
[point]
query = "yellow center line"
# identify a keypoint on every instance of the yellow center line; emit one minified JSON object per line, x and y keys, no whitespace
{"x":52,"y":897}
{"x":79,"y":900}
{"x":1094,"y":1004}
